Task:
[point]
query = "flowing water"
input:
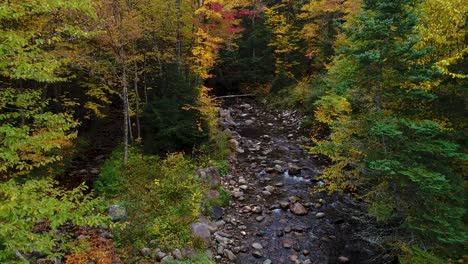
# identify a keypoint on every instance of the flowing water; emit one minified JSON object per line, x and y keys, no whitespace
{"x":277,"y":214}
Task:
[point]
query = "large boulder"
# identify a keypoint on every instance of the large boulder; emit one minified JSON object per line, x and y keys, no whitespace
{"x":201,"y":230}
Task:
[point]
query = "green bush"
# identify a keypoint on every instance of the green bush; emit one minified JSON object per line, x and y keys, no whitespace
{"x":33,"y":216}
{"x":162,"y":198}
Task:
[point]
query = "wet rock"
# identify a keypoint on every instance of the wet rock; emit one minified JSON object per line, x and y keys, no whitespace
{"x":267,"y":261}
{"x":257,"y":246}
{"x":249,"y":122}
{"x":320,"y":215}
{"x":117,"y":212}
{"x":293,"y":169}
{"x":266,"y":193}
{"x":259,"y":218}
{"x":244,"y":187}
{"x":257,"y":210}
{"x":293,"y":258}
{"x":279,"y":184}
{"x":287,"y":229}
{"x":229,"y":254}
{"x":257,"y":254}
{"x":284,"y":204}
{"x":278,"y":168}
{"x":145,"y":252}
{"x":293,"y":199}
{"x":306,"y":252}
{"x":201,"y":230}
{"x":298,"y":209}
{"x":237,"y":194}
{"x":269,"y":188}
{"x":287,"y":243}
{"x":217,"y":212}
{"x":307,"y":261}
{"x":343,"y":259}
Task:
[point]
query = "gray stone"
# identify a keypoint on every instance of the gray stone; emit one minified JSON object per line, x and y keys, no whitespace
{"x":167,"y":259}
{"x":145,"y":252}
{"x":257,"y":246}
{"x":320,"y":215}
{"x":257,"y":210}
{"x":343,"y":259}
{"x":228,"y":254}
{"x":201,"y":230}
{"x":284,"y":204}
{"x":249,"y":122}
{"x":278,"y":168}
{"x":160,"y":255}
{"x":217,"y":212}
{"x":257,"y":254}
{"x":267,"y":261}
{"x":298,"y":209}
{"x":269,"y":188}
{"x":293,"y":169}
{"x":177,"y":254}
{"x":117,"y":212}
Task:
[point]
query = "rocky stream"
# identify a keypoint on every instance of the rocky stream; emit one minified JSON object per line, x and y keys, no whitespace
{"x":277,"y":215}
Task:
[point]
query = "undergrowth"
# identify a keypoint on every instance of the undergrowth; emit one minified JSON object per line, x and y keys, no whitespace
{"x":162,"y":197}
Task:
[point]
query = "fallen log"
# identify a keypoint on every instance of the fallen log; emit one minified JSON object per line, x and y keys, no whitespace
{"x":235,"y":96}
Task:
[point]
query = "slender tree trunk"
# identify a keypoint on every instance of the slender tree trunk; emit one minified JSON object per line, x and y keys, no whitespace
{"x":179,"y":33}
{"x":137,"y":101}
{"x":125,"y":111}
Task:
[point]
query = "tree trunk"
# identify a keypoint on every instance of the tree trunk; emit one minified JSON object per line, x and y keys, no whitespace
{"x":137,"y":101}
{"x":125,"y":112}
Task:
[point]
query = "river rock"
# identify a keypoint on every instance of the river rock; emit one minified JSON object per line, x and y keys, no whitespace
{"x":269,"y":188}
{"x":257,"y":209}
{"x":293,"y":169}
{"x":117,"y":212}
{"x":177,"y":254}
{"x":228,"y":254}
{"x":320,"y":215}
{"x":257,"y":254}
{"x":343,"y":259}
{"x":249,"y":122}
{"x":167,"y":259}
{"x":201,"y":230}
{"x":298,"y":209}
{"x":211,"y":176}
{"x":278,"y":168}
{"x":145,"y":252}
{"x":257,"y":246}
{"x":217,"y":212}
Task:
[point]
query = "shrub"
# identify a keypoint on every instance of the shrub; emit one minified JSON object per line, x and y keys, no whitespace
{"x":33,"y":216}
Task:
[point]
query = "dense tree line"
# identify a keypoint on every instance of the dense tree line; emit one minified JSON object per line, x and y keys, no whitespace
{"x":383,"y":82}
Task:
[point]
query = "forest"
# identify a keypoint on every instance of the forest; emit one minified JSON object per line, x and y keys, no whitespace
{"x":233,"y":131}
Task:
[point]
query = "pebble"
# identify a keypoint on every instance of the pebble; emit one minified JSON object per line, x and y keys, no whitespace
{"x":320,"y":215}
{"x":227,"y":253}
{"x":343,"y":259}
{"x":257,"y":245}
{"x":259,"y":218}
